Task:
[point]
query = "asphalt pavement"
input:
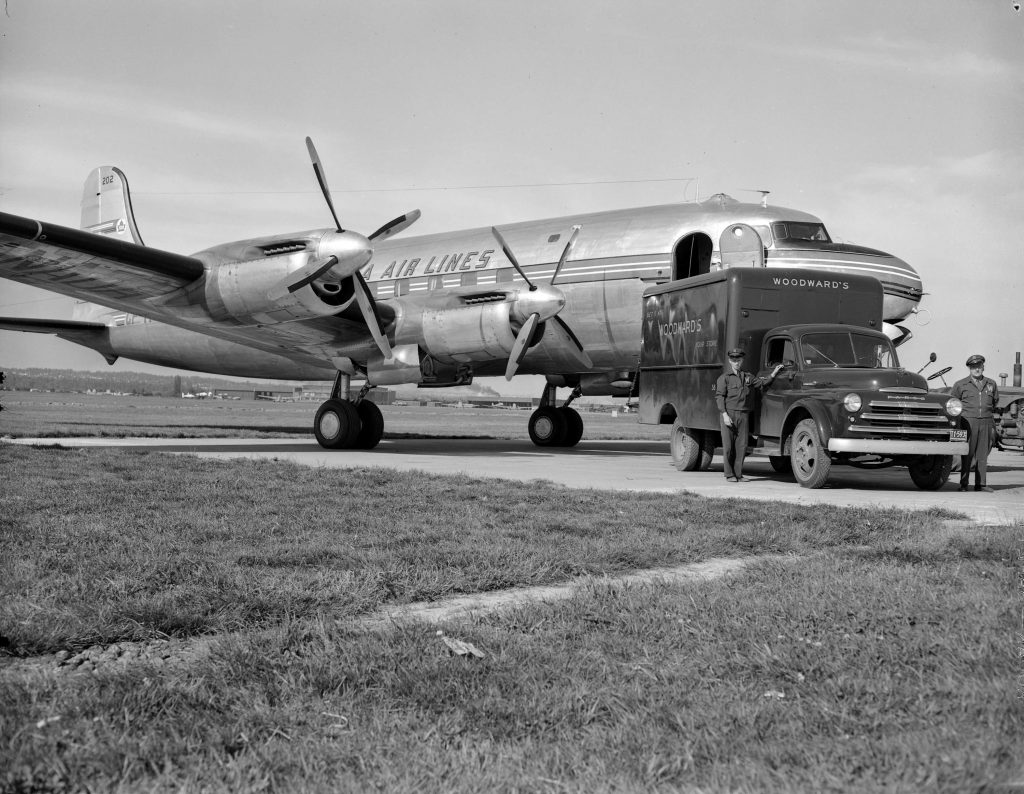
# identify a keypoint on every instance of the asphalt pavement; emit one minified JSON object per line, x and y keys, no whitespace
{"x":618,"y":465}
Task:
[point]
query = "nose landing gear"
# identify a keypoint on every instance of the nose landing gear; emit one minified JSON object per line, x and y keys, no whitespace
{"x":344,"y":423}
{"x":556,"y":426}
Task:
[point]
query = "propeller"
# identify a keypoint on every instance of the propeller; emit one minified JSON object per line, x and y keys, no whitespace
{"x":545,"y":300}
{"x":352,"y":252}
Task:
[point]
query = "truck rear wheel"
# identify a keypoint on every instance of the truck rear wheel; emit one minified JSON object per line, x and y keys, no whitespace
{"x":930,"y":472}
{"x":690,"y":448}
{"x":810,"y":459}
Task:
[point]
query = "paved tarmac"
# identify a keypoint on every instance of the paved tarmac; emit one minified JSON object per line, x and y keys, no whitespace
{"x":619,"y":465}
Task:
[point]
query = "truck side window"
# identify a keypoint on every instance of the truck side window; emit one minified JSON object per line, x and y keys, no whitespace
{"x":780,"y":351}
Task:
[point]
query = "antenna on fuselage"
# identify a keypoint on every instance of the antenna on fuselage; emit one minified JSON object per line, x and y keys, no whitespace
{"x":764,"y":194}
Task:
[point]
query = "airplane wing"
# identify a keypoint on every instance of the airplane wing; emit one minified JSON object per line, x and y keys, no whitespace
{"x":89,"y":266}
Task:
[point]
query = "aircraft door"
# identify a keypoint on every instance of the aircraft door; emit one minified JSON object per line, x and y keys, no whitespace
{"x":741,"y":246}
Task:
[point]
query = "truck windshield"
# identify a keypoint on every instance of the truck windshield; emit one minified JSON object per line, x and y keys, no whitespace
{"x":800,"y":230}
{"x":849,"y":349}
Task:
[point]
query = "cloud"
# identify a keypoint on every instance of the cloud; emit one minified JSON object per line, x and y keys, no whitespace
{"x":913,"y":57}
{"x":69,"y":95}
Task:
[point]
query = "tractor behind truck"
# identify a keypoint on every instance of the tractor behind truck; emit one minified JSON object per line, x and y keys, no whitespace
{"x":842,"y":397}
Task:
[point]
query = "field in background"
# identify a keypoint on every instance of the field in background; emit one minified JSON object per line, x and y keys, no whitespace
{"x":48,"y":415}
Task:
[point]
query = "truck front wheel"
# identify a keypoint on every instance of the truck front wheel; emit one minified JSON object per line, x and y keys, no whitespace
{"x":690,"y":448}
{"x":810,"y":458}
{"x":930,"y":472}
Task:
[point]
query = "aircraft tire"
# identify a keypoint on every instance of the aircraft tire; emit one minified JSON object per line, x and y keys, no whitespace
{"x":372,"y":422}
{"x":336,"y":425}
{"x":547,"y":427}
{"x":687,"y":447}
{"x":930,"y":472}
{"x":810,"y":460}
{"x":573,"y":426}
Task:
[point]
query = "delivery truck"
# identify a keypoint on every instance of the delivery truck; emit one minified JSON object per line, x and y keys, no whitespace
{"x":841,"y":398}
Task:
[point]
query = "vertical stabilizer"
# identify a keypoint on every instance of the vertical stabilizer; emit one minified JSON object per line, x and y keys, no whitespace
{"x":107,"y":205}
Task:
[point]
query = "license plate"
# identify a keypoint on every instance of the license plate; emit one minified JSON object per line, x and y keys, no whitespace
{"x":957,"y":435}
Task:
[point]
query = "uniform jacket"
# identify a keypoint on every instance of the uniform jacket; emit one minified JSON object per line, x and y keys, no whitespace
{"x":979,"y":403}
{"x":735,"y":392}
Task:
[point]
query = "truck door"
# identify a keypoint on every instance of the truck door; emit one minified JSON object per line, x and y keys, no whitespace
{"x":741,"y":246}
{"x":774,"y":401}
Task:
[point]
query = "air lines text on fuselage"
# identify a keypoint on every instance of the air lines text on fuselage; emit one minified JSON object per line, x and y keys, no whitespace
{"x":448,"y":263}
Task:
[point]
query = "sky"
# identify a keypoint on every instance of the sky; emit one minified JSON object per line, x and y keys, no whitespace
{"x":901,"y":125}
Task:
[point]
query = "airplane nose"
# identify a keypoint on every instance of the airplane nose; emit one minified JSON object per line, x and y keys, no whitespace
{"x":902,"y":289}
{"x":901,"y":284}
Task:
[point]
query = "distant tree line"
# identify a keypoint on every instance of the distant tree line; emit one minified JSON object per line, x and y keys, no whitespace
{"x":141,"y":383}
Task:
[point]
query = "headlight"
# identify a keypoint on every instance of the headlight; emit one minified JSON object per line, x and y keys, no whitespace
{"x":851,"y":402}
{"x":954,"y":407}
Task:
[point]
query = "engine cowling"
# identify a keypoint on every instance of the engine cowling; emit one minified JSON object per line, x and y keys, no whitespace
{"x":475,"y":332}
{"x":248,"y":281}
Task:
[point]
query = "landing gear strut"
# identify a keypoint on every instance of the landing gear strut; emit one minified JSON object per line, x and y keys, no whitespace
{"x":346,"y":423}
{"x":556,"y":426}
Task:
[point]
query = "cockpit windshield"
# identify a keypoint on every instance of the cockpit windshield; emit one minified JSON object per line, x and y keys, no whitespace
{"x":837,"y":349}
{"x":800,"y":230}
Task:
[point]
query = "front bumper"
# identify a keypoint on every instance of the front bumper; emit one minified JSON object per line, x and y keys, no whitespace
{"x":881,"y":446}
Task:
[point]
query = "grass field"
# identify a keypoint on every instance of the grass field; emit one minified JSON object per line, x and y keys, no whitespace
{"x":53,"y":415}
{"x":859,"y":650}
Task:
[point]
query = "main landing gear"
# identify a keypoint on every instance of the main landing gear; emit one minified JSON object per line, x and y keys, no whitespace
{"x":556,"y":426}
{"x":343,"y":423}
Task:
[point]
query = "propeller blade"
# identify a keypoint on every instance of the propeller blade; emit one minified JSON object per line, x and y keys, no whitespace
{"x":296,"y":280}
{"x":511,"y":256}
{"x":565,"y":253}
{"x":321,"y":177}
{"x":570,"y":342}
{"x":519,"y":349}
{"x":368,"y":307}
{"x":392,"y":228}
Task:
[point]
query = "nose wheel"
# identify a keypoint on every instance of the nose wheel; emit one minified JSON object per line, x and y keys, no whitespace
{"x":553,"y":426}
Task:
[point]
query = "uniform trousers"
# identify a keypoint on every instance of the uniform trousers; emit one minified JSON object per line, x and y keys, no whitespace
{"x":734,"y":441}
{"x":979,"y":442}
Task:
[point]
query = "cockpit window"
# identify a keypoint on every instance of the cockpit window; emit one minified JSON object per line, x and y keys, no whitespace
{"x":848,"y":350}
{"x":800,"y":230}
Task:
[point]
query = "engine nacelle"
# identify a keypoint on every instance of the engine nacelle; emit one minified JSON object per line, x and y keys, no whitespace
{"x":459,"y":334}
{"x":239,"y":291}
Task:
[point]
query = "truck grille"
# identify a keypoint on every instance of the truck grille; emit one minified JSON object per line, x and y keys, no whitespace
{"x":903,"y":419}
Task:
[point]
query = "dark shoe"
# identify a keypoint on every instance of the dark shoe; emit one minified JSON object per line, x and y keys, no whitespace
{"x":984,"y":488}
{"x":962,"y":488}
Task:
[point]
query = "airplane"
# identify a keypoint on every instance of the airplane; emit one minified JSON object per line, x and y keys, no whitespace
{"x":558,"y":297}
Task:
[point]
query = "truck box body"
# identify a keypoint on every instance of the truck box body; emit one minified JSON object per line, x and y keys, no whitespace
{"x":690,"y":325}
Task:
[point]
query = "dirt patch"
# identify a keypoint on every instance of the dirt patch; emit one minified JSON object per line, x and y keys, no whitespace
{"x":175,"y":653}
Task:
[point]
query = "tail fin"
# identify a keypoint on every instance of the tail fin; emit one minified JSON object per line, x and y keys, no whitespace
{"x":107,"y":205}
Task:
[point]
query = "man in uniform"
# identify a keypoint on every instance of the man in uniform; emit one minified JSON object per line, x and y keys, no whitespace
{"x":734,"y":396}
{"x":980,"y":395}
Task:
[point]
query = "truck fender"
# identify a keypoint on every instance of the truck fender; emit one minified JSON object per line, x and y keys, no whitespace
{"x":802,"y":410}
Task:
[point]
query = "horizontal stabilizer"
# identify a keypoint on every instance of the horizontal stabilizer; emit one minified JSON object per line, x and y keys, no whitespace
{"x":95,"y":336}
{"x":36,"y":326}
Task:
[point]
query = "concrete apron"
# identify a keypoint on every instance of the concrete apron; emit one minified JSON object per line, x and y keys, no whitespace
{"x":616,"y":465}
